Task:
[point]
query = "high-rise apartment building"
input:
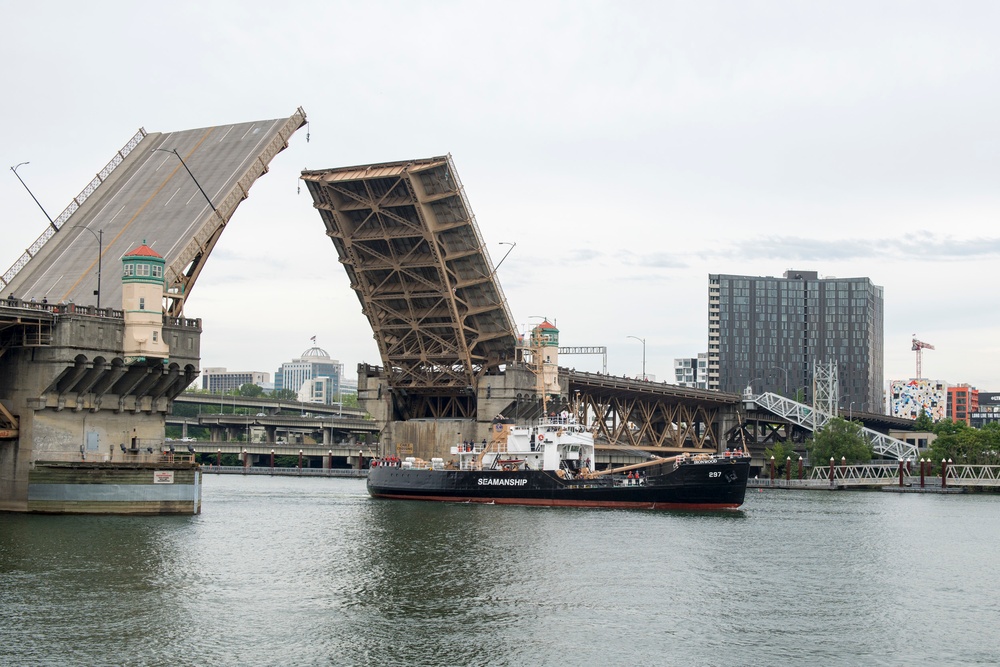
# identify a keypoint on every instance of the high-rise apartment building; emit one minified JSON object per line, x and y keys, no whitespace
{"x":768,"y":332}
{"x":692,"y":372}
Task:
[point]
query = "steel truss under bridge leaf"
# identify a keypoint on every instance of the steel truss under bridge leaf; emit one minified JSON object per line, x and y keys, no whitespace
{"x":409,"y":242}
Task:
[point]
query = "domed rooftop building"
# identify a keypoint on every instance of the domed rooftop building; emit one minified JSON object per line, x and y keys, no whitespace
{"x":314,"y":376}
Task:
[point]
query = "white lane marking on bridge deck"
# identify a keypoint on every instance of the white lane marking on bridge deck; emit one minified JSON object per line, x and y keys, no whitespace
{"x":231,"y":182}
{"x":117,"y":214}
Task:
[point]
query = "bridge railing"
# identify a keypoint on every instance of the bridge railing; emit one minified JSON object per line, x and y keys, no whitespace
{"x":474,"y":226}
{"x":223,"y":211}
{"x":77,"y":202}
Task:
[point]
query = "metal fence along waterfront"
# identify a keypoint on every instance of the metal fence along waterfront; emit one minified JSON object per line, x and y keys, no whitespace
{"x":286,"y":472}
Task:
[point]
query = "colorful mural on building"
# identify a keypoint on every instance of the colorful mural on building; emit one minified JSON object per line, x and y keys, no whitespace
{"x":909,"y":396}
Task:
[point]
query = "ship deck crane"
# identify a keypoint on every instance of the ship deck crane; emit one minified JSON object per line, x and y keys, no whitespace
{"x":918,"y":347}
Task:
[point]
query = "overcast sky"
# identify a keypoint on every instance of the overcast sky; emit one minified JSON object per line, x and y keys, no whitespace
{"x":630,"y":149}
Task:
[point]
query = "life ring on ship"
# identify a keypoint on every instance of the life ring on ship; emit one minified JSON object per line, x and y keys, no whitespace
{"x":374,"y":464}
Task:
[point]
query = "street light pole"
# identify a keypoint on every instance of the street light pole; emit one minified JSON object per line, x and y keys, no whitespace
{"x":643,"y":341}
{"x":99,"y":235}
{"x":202,"y":190}
{"x":14,"y":169}
{"x":511,"y":244}
{"x":786,"y":378}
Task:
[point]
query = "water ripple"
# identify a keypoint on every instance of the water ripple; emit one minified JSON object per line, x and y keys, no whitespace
{"x":313,"y":572}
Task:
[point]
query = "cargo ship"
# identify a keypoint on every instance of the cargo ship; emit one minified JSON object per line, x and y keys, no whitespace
{"x":550,"y":463}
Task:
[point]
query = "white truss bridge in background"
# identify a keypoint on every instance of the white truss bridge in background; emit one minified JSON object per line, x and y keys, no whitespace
{"x":813,"y":419}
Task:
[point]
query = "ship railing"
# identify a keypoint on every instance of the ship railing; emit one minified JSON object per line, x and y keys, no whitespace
{"x":469,"y":456}
{"x":552,"y":420}
{"x":624,"y":481}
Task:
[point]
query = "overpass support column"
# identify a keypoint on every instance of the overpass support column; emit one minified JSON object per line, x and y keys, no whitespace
{"x":270,"y":433}
{"x":327,"y":436}
{"x":726,"y":421}
{"x":184,"y":430}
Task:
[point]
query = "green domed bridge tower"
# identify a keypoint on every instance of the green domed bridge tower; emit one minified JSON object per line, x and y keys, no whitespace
{"x":142,"y":305}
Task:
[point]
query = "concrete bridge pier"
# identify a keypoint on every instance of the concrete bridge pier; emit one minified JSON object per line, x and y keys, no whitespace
{"x":90,"y":420}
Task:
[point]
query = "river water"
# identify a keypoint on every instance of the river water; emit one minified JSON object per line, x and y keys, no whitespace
{"x":288,"y":571}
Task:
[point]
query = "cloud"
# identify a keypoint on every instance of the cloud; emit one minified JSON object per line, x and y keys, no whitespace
{"x":922,"y":245}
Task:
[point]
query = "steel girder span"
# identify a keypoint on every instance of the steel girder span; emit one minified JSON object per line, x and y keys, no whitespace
{"x":815,"y":418}
{"x":175,"y":191}
{"x":409,"y":242}
{"x":657,"y":417}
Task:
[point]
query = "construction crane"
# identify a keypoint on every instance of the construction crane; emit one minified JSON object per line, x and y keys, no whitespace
{"x":918,"y":347}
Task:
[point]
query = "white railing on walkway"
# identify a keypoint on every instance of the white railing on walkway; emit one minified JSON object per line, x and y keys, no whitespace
{"x":873,"y":474}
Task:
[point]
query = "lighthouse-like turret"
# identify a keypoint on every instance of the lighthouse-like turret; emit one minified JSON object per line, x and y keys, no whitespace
{"x":142,"y":303}
{"x":545,"y":347}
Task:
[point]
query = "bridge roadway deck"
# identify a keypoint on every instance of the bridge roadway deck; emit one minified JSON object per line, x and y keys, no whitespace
{"x":267,"y":403}
{"x":610,"y":384}
{"x":145,"y":195}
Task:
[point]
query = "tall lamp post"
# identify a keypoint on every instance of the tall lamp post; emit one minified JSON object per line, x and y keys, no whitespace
{"x":643,"y":341}
{"x":511,"y":244}
{"x":14,"y":169}
{"x":99,"y":235}
{"x":786,"y":377}
{"x":202,"y":190}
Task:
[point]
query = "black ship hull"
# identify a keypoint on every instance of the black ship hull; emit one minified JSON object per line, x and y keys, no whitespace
{"x":718,"y":484}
